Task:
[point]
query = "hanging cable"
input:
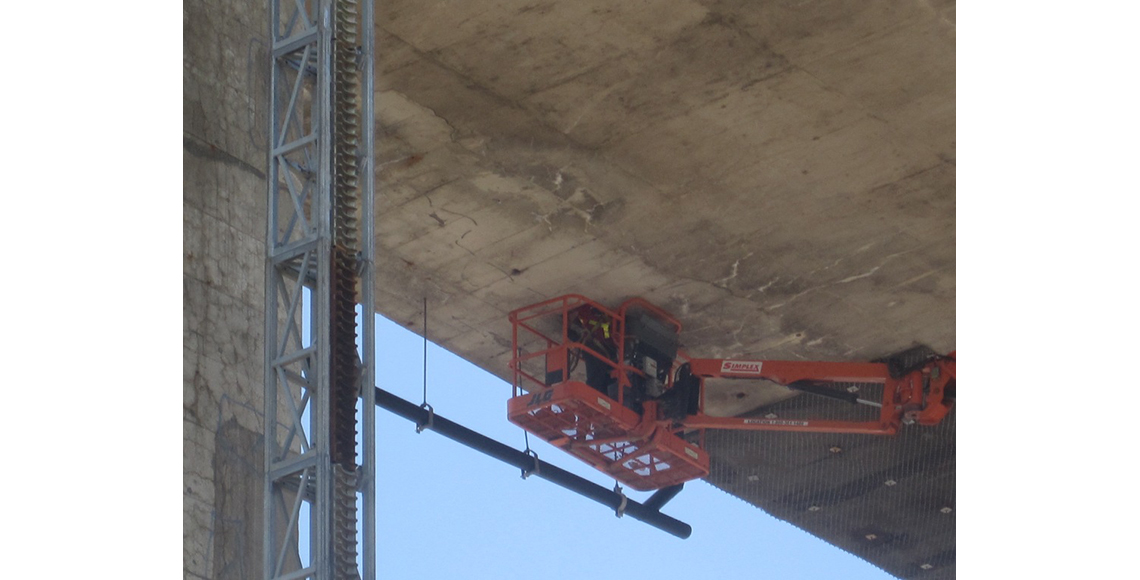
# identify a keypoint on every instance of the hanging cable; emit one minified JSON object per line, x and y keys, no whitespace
{"x":425,"y":406}
{"x":425,"y":350}
{"x":526,"y":471}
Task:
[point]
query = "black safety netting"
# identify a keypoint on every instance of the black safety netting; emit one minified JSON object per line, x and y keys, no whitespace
{"x":888,"y":499}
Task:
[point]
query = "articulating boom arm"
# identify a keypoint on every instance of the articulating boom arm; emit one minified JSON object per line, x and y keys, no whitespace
{"x":922,"y":394}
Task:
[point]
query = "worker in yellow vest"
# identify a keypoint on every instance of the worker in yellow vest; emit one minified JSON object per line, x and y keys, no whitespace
{"x":594,"y":329}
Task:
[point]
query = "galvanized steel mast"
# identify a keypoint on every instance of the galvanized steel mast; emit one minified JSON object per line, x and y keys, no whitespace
{"x":321,"y":84}
{"x":368,"y":286}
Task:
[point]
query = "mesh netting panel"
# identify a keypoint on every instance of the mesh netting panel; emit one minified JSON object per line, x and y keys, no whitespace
{"x":808,"y":406}
{"x":887,"y":499}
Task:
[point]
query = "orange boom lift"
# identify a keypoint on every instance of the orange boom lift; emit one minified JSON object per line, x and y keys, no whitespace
{"x":614,"y":389}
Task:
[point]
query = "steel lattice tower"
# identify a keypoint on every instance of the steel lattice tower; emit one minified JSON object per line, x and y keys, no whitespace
{"x":320,"y":182}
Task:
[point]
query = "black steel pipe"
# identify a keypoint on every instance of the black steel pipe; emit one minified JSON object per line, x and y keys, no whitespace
{"x":662,"y":496}
{"x":521,"y":460}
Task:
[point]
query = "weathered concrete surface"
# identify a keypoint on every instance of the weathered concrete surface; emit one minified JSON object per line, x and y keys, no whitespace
{"x":223,"y":278}
{"x":780,"y":175}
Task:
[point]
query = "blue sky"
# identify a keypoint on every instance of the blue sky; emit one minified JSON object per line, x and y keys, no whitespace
{"x":447,"y":511}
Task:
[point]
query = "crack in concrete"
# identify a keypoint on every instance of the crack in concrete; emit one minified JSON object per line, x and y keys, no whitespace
{"x":735,"y":268}
{"x":860,"y":276}
{"x":545,"y":218}
{"x":425,"y":194}
{"x":461,"y":245}
{"x":211,"y":152}
{"x":736,"y":335}
{"x":843,"y":281}
{"x":723,"y":282}
{"x":833,"y":264}
{"x":917,"y":278}
{"x":587,"y":215}
{"x":461,"y":215}
{"x":435,"y":216}
{"x":453,"y":132}
{"x":793,"y":298}
{"x":907,"y":176}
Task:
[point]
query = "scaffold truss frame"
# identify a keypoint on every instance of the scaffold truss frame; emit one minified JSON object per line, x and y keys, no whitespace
{"x":298,"y":374}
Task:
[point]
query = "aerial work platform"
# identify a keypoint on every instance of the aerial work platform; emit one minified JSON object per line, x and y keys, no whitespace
{"x":614,"y":439}
{"x":614,"y":389}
